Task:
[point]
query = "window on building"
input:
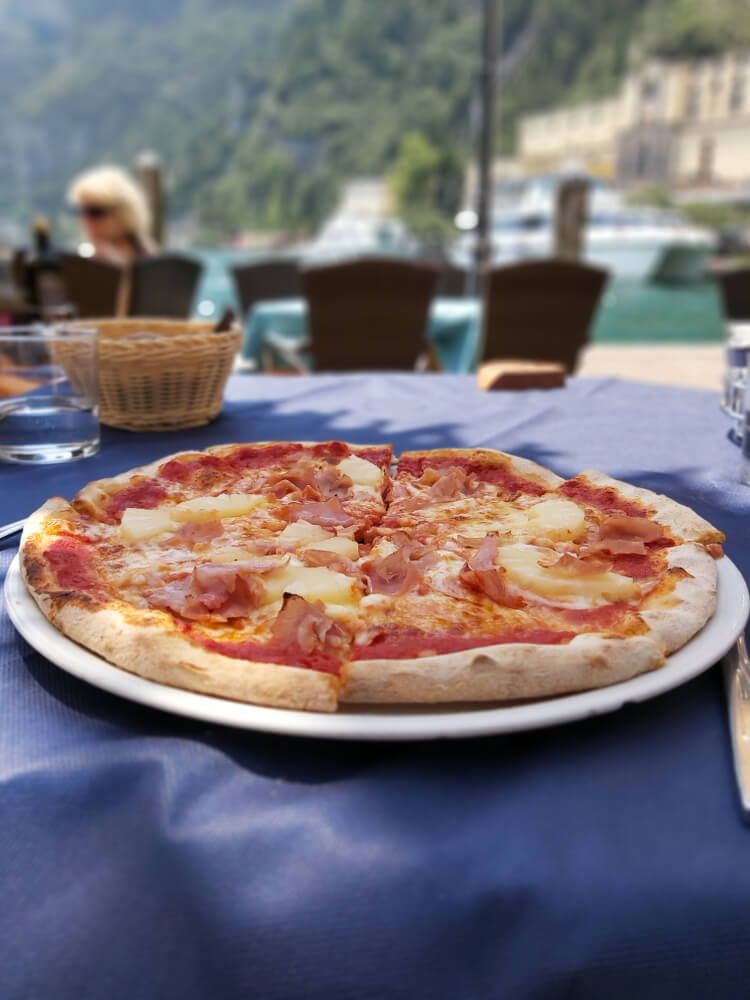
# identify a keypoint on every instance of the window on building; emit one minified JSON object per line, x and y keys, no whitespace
{"x":717,"y":81}
{"x":737,"y":94}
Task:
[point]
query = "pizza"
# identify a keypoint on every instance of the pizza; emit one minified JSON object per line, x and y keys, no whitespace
{"x":307,"y":575}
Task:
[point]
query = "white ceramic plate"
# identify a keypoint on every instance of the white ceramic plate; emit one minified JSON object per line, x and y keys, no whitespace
{"x":388,"y":723}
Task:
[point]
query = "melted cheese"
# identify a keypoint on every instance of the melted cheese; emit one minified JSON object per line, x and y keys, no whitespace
{"x":138,"y":524}
{"x":361,"y":472}
{"x":521,"y":563}
{"x":314,"y":583}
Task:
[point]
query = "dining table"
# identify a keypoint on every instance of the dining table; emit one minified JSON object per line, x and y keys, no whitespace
{"x":453,"y":329}
{"x":145,"y":854}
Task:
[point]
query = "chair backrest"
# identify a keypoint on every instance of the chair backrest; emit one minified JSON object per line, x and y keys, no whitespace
{"x":92,"y":286}
{"x":368,"y":312}
{"x":540,"y":310}
{"x":452,"y":281}
{"x":272,"y":278}
{"x":164,"y":285}
{"x":734,"y":289}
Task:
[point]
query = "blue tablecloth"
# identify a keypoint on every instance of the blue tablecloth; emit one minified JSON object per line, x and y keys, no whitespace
{"x":453,"y":329}
{"x":144,"y":855}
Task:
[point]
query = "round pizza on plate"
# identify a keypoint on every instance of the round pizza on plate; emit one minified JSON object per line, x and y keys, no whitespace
{"x":306,"y":575}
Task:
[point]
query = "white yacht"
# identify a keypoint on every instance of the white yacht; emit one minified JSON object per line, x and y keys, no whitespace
{"x":633,"y":243}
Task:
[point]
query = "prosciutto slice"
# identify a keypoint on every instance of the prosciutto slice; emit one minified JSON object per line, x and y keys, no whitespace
{"x":622,"y":526}
{"x":400,"y":571}
{"x":451,"y":483}
{"x":195,"y":533}
{"x":332,"y":560}
{"x":305,"y":625}
{"x":221,"y":590}
{"x":325,"y":513}
{"x":480,"y":574}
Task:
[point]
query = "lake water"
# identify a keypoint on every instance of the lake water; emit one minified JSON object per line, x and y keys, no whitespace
{"x":629,"y":312}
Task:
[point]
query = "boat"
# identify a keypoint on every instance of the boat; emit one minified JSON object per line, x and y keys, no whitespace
{"x":634,"y":243}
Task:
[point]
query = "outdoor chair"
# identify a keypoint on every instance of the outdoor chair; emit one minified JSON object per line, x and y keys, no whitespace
{"x":540,"y":310}
{"x":452,"y":281}
{"x":369,"y":313}
{"x":271,"y":278}
{"x":163,"y":286}
{"x":734,"y":291}
{"x":93,"y":286}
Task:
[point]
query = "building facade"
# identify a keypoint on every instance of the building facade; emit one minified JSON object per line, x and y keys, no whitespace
{"x":673,"y":123}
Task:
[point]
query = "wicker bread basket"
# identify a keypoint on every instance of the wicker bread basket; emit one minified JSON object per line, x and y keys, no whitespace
{"x":174,"y":380}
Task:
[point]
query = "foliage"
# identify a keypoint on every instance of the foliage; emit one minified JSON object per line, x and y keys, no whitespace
{"x":261,"y":109}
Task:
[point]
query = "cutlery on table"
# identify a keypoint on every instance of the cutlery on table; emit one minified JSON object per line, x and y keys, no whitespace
{"x":6,"y":530}
{"x":737,"y":678}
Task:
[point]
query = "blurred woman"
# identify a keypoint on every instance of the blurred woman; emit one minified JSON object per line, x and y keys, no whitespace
{"x":114,"y":213}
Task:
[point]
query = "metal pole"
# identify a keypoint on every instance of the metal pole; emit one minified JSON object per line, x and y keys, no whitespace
{"x":486,"y":136}
{"x":150,"y":173}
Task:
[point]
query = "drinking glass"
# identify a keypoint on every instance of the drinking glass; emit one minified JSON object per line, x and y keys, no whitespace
{"x":48,"y":393}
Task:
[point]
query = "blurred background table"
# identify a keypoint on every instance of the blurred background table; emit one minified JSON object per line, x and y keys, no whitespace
{"x":147,"y":855}
{"x":453,"y":329}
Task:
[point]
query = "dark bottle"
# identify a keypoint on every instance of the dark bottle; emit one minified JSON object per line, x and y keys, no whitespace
{"x":44,"y":282}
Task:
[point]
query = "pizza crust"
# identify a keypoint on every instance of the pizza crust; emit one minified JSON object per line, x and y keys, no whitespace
{"x":150,"y":647}
{"x":504,"y":672}
{"x":522,"y":466}
{"x":691,"y":603}
{"x":681,"y":520}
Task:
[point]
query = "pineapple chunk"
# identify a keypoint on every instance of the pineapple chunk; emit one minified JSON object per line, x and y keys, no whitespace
{"x":139,"y":524}
{"x":361,"y":472}
{"x":521,"y":563}
{"x":339,"y":543}
{"x":558,"y":520}
{"x":314,"y":583}
{"x":304,"y":530}
{"x":225,"y":505}
{"x":232,"y":554}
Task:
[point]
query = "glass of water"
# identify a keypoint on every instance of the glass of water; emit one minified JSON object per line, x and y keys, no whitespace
{"x":48,"y":393}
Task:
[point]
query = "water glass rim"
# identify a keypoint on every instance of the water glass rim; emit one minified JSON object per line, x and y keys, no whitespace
{"x":46,"y":331}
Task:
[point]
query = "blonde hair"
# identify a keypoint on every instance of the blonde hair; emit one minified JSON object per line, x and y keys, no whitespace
{"x":114,"y":188}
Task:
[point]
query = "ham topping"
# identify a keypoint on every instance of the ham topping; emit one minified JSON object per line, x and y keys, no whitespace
{"x":624,"y":527}
{"x":326,"y":481}
{"x":451,"y":483}
{"x":226,"y":591}
{"x":306,"y":626}
{"x":400,"y":571}
{"x":333,"y":560}
{"x":481,"y":574}
{"x":192,"y":533}
{"x":569,"y":565}
{"x":326,"y":513}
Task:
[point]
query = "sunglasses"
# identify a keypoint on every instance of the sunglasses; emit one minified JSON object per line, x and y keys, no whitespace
{"x":93,"y":211}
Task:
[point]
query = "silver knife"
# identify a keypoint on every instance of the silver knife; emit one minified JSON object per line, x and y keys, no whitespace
{"x":6,"y":530}
{"x":737,"y":679}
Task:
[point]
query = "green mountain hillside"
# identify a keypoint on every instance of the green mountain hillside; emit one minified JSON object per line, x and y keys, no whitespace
{"x":261,"y":108}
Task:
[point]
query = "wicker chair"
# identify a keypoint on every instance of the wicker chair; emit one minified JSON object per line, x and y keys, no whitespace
{"x":93,"y":286}
{"x":453,"y":281}
{"x":273,"y":278}
{"x":540,"y":310}
{"x":164,"y":285}
{"x":734,"y":289}
{"x":369,"y":313}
